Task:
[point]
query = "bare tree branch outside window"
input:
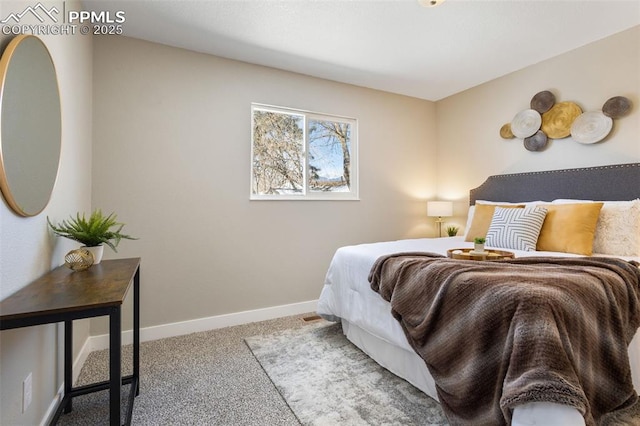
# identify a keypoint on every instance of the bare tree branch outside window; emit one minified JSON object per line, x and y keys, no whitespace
{"x":329,"y":156}
{"x":278,"y":153}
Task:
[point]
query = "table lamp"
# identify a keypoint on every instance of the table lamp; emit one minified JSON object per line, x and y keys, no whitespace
{"x":439,"y":209}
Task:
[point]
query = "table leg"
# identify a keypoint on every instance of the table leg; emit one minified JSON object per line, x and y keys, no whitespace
{"x":68,"y":363}
{"x":115,"y":365}
{"x":136,"y":330}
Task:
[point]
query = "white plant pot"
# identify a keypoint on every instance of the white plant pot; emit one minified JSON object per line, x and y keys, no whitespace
{"x":97,"y":253}
{"x":478,"y":248}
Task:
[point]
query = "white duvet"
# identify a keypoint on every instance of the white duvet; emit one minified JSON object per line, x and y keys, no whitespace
{"x":368,"y":323}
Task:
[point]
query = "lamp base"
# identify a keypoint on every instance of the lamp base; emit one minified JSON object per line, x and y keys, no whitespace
{"x":439,"y":221}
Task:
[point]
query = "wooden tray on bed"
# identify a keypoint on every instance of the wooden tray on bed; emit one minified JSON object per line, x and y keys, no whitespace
{"x":469,"y":254}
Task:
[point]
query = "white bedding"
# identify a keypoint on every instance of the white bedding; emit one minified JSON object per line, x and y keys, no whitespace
{"x":368,"y":323}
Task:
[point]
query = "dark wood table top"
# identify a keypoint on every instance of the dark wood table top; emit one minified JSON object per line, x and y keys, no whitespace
{"x":63,"y":290}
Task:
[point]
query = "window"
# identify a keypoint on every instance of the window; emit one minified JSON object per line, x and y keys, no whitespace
{"x":301,"y":155}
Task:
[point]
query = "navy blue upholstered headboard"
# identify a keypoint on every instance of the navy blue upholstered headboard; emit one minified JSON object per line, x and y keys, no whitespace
{"x":603,"y":183}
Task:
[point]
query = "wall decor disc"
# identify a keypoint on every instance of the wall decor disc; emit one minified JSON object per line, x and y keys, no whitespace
{"x":591,"y":127}
{"x":556,"y":122}
{"x":616,"y":107}
{"x":526,"y":123}
{"x":537,"y":142}
{"x":505,"y":131}
{"x":543,"y":101}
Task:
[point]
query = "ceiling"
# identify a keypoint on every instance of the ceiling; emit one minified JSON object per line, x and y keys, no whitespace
{"x":397,"y":46}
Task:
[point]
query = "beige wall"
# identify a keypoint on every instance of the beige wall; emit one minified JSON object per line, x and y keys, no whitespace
{"x":172,"y":157}
{"x":27,"y":250}
{"x":469,"y":144}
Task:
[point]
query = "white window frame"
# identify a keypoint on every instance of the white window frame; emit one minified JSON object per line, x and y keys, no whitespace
{"x":351,"y":195}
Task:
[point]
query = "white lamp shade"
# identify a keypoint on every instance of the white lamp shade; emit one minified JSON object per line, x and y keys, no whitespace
{"x":439,"y":208}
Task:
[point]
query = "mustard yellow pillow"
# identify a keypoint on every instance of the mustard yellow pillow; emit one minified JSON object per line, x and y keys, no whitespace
{"x":569,"y":228}
{"x":482,"y":215}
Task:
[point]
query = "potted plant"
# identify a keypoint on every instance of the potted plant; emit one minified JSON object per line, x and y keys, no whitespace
{"x":478,"y":244}
{"x":452,"y":231}
{"x":92,"y":232}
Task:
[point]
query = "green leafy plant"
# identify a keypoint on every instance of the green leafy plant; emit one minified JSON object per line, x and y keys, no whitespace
{"x":92,"y":232}
{"x":452,"y":231}
{"x":479,"y":240}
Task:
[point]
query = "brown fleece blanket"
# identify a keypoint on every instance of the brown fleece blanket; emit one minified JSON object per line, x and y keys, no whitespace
{"x":498,"y":334}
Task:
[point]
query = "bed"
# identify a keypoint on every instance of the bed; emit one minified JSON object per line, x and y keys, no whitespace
{"x":367,"y":318}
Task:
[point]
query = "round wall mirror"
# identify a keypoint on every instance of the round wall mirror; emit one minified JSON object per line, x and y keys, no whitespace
{"x":30,"y":125}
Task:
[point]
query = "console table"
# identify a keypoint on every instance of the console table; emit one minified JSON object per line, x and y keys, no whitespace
{"x":63,"y":295}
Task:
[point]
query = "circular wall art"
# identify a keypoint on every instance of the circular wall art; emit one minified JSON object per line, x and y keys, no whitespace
{"x":616,"y":107}
{"x":556,"y":122}
{"x":591,"y":127}
{"x":505,"y":131}
{"x":536,"y":142}
{"x":543,"y":101}
{"x":550,"y":120}
{"x":526,"y":123}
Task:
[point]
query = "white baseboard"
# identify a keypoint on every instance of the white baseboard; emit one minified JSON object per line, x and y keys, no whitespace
{"x":80,"y":359}
{"x":77,"y":367}
{"x":46,"y":419}
{"x":99,"y":342}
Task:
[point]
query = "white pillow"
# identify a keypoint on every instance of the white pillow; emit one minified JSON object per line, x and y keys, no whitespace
{"x":469,"y":218}
{"x":618,"y":229}
{"x":571,"y":201}
{"x":516,"y":229}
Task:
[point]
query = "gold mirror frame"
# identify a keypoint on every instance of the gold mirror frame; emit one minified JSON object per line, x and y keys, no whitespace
{"x":30,"y":125}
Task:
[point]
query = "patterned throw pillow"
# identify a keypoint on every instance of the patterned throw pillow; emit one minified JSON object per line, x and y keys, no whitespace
{"x":516,"y":229}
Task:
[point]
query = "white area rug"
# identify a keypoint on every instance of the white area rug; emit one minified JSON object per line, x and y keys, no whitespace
{"x":326,"y":380}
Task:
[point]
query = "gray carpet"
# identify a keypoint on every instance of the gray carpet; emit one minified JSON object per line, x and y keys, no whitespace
{"x":208,"y":378}
{"x":326,"y":380}
{"x":212,"y":378}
